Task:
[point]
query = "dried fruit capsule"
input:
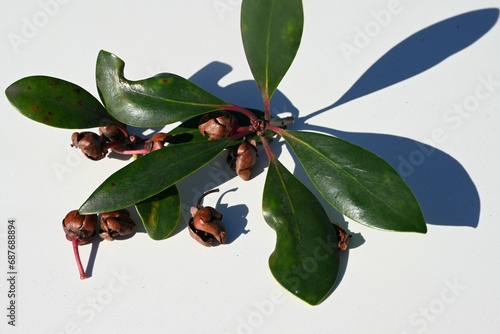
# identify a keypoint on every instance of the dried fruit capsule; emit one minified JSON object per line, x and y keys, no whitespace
{"x":217,"y":125}
{"x":242,"y":159}
{"x":114,"y":133}
{"x":342,"y":236}
{"x":79,"y":229}
{"x":91,"y":144}
{"x":116,"y":223}
{"x":157,"y":141}
{"x":205,"y":225}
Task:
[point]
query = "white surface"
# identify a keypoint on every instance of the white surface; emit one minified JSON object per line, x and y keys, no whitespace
{"x":443,"y":282}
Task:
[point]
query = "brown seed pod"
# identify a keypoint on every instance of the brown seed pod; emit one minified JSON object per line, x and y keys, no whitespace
{"x":157,"y":141}
{"x":217,"y":125}
{"x":116,"y":223}
{"x":113,"y":133}
{"x":79,"y":227}
{"x":205,"y":225}
{"x":242,"y":159}
{"x":91,"y":144}
{"x":342,"y":236}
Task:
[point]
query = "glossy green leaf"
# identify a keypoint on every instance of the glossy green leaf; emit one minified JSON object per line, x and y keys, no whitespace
{"x":57,"y":103}
{"x":163,"y":99}
{"x":306,"y":259}
{"x":271,"y":31}
{"x":160,"y":213}
{"x":151,"y":174}
{"x":358,"y":183}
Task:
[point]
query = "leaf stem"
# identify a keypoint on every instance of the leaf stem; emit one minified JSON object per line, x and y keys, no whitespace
{"x":265,"y":143}
{"x":276,"y":129}
{"x":267,"y":108}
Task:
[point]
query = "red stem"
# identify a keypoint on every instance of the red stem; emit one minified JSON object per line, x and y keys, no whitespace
{"x":131,"y":152}
{"x":275,"y":129}
{"x":241,"y":110}
{"x":267,"y":108}
{"x":265,"y":143}
{"x":112,"y":145}
{"x":77,"y":257}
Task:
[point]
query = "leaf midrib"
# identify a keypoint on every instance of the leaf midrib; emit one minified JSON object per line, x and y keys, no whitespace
{"x":344,"y":171}
{"x":130,"y":186}
{"x":295,"y":227}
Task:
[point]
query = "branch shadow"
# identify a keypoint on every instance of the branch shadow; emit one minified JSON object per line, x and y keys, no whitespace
{"x":420,"y":52}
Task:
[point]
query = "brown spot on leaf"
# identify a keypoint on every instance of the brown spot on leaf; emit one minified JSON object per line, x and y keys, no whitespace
{"x":28,"y":87}
{"x":77,"y":90}
{"x":165,"y":81}
{"x":35,"y":107}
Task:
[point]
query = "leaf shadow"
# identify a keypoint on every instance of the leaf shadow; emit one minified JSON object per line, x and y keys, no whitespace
{"x":420,"y":52}
{"x":442,"y":186}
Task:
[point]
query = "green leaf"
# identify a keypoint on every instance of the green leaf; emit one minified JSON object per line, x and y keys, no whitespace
{"x":271,"y":31}
{"x":57,"y":103}
{"x":306,"y":259}
{"x":163,"y":99}
{"x":160,"y":213}
{"x":358,"y":183}
{"x":151,"y":174}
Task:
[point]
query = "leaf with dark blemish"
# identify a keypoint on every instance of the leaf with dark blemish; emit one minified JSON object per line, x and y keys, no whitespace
{"x":57,"y":103}
{"x":163,"y":99}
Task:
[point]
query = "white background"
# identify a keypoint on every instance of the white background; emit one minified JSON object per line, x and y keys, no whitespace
{"x":444,"y":281}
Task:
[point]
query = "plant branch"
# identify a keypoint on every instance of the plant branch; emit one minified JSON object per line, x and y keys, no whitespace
{"x":241,"y":110}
